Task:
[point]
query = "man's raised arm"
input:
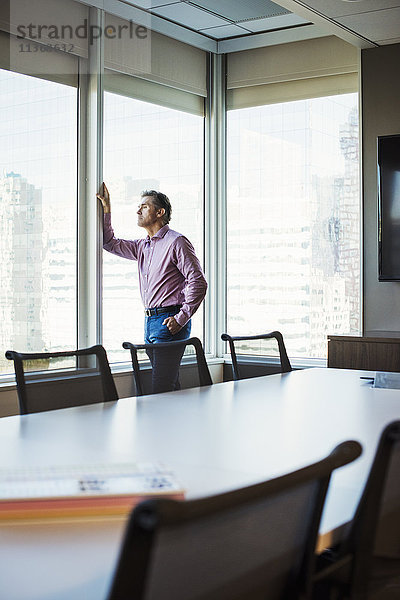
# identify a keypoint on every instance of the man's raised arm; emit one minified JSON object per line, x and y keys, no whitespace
{"x":124,"y":248}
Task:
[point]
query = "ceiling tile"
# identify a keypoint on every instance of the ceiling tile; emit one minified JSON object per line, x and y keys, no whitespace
{"x":340,"y":8}
{"x":241,"y":10}
{"x":375,"y":20}
{"x":388,"y":41}
{"x":189,"y":16}
{"x":225,"y":31}
{"x":156,"y":3}
{"x":273,"y":23}
{"x":376,"y":25}
{"x":150,"y":3}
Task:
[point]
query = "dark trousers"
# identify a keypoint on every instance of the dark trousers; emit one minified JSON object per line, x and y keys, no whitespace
{"x":165,"y":362}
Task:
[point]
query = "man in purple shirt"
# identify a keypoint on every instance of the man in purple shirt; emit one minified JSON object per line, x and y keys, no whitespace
{"x":171,"y":281}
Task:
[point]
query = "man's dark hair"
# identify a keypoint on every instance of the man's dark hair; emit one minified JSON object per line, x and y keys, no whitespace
{"x":160,"y":200}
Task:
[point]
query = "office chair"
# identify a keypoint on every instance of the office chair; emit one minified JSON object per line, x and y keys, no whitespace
{"x":204,"y":377}
{"x":285,"y":363}
{"x":366,"y":565}
{"x":253,"y":543}
{"x":88,"y":381}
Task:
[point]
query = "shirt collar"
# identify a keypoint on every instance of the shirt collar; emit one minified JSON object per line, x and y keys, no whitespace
{"x":160,"y":233}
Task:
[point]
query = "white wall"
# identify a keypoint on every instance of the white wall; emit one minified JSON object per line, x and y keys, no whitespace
{"x":380,"y":116}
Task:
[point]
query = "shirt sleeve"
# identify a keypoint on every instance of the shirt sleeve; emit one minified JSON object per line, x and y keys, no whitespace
{"x":195,"y":283}
{"x":125,"y":248}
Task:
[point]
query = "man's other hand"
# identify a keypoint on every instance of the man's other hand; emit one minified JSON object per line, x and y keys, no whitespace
{"x":173,"y":326}
{"x":104,"y":197}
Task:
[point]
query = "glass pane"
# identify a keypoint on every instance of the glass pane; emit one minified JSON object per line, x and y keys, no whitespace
{"x":38,"y":173}
{"x":49,"y":364}
{"x":147,"y":147}
{"x":294,"y":222}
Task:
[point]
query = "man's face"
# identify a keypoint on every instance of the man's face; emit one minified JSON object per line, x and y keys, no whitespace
{"x":147,"y":213}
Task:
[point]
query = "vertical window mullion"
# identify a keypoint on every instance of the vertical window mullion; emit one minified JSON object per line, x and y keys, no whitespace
{"x":215,"y":217}
{"x":90,"y":213}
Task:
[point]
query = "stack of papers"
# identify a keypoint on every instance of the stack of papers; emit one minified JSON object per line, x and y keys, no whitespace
{"x":82,"y":490}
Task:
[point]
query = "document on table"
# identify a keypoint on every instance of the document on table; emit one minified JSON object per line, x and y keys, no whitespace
{"x":77,"y":490}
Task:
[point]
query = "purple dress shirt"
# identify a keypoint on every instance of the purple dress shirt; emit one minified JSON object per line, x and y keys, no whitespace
{"x":169,"y":270}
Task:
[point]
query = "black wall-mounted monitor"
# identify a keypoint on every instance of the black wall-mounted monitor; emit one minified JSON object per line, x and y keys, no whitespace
{"x":389,"y":207}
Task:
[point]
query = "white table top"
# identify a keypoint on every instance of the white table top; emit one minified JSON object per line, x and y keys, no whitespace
{"x":215,"y":439}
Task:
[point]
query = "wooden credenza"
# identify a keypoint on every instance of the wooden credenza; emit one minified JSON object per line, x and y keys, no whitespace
{"x":375,"y":351}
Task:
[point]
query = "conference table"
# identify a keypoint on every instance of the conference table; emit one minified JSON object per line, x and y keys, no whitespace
{"x":214,"y":438}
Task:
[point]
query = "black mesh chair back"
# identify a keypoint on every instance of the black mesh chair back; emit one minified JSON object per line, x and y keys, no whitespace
{"x":144,"y":387}
{"x":285,"y":363}
{"x":250,"y":544}
{"x":375,"y":532}
{"x":51,"y":380}
{"x":369,"y":557}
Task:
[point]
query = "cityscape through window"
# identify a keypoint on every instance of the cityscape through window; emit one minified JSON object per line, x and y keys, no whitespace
{"x":294,"y":223}
{"x":38,"y":174}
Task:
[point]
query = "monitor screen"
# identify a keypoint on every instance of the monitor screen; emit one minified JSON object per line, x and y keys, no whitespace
{"x":389,"y":207}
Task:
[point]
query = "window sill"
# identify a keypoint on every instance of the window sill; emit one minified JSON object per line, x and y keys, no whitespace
{"x":7,"y":382}
{"x":273,"y":361}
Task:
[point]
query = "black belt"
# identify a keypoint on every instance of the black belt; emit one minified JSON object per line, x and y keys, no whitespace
{"x":150,"y":312}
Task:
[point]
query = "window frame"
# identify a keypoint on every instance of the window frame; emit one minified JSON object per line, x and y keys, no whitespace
{"x":71,"y":81}
{"x":125,"y":87}
{"x":269,"y":99}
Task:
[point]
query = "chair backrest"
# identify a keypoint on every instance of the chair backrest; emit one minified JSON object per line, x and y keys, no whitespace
{"x":82,"y":377}
{"x":204,"y":377}
{"x":256,"y":542}
{"x":285,"y":363}
{"x":375,"y":530}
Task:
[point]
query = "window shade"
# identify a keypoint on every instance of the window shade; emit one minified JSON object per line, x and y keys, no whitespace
{"x":307,"y":69}
{"x":156,"y":58}
{"x":140,"y":89}
{"x":315,"y":87}
{"x":49,"y":22}
{"x":53,"y":66}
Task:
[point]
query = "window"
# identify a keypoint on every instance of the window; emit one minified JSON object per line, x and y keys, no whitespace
{"x":38,"y":173}
{"x":293,"y":207}
{"x":147,"y":146}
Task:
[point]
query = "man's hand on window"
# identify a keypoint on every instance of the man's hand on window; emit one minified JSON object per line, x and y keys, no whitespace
{"x":104,"y":197}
